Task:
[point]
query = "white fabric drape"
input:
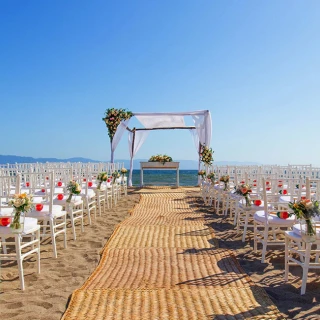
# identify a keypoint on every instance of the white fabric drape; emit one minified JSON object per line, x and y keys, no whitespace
{"x":202,"y":123}
{"x":195,"y":138}
{"x":165,"y":121}
{"x":117,"y":136}
{"x":203,"y":127}
{"x":134,"y":145}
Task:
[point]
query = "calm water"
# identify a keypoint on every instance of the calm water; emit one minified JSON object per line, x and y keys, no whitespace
{"x":165,"y":177}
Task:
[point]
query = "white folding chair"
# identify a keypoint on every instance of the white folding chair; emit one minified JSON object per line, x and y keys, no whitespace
{"x":266,"y":221}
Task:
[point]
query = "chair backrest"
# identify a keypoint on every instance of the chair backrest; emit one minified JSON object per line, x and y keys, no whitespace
{"x":271,"y":199}
{"x":313,"y":189}
{"x":9,"y":185}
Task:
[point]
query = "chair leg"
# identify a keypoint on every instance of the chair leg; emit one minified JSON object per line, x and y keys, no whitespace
{"x":227,"y":207}
{"x":73,"y":225}
{"x":4,"y":246}
{"x":19,"y":261}
{"x":286,"y":259}
{"x":99,"y":204}
{"x":88,"y":210}
{"x":95,"y":212}
{"x":305,"y":268}
{"x":65,"y":231}
{"x":82,"y":225}
{"x":236,"y":213}
{"x":38,"y":251}
{"x":53,"y":239}
{"x":264,"y":243}
{"x":245,"y":227}
{"x":255,"y":235}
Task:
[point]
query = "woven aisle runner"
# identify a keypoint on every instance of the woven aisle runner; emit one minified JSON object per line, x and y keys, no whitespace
{"x":163,"y":263}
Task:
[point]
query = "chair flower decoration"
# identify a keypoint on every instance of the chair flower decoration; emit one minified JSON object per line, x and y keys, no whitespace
{"x":244,"y":190}
{"x":206,"y":154}
{"x":202,"y":173}
{"x":74,"y":188}
{"x":123,"y":171}
{"x":21,"y":203}
{"x":225,"y":180}
{"x":163,"y":158}
{"x":102,"y":176}
{"x":115,"y":175}
{"x":113,"y":117}
{"x":211,"y":176}
{"x":306,"y":209}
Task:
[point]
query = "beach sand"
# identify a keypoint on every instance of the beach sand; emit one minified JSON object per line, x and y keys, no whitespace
{"x":46,"y":295}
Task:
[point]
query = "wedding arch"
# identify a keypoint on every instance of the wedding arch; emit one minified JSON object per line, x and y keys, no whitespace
{"x":201,"y":131}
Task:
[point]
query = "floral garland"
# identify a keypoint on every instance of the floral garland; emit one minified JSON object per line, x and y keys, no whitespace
{"x":113,"y":117}
{"x":160,"y":158}
{"x":206,"y":154}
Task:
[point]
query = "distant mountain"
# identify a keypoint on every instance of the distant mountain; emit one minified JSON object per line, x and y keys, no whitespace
{"x":184,"y":164}
{"x":18,"y":159}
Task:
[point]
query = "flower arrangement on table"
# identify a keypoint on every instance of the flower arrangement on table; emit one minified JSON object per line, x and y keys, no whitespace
{"x":74,"y":188}
{"x":244,"y":190}
{"x":113,"y":117}
{"x":225,"y":180}
{"x":306,"y":209}
{"x":206,"y":154}
{"x":211,"y":176}
{"x":202,"y":173}
{"x":163,"y":158}
{"x":21,"y":203}
{"x":115,"y":175}
{"x":102,"y":176}
{"x":123,"y":171}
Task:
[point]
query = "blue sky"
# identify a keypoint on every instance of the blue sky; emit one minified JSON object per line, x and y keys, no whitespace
{"x":254,"y":64}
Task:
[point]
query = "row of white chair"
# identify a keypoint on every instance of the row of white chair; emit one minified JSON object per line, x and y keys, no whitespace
{"x":268,"y":228}
{"x":49,"y":189}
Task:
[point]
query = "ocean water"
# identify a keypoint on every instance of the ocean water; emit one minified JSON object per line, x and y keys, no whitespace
{"x":165,"y":177}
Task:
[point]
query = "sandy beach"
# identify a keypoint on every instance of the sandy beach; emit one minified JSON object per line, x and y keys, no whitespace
{"x":47,"y":295}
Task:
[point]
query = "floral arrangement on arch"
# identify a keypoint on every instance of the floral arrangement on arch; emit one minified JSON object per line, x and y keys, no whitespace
{"x":113,"y":117}
{"x":21,"y":203}
{"x":74,"y":188}
{"x":306,"y":209}
{"x":102,"y":176}
{"x":206,"y":154}
{"x":160,"y":158}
